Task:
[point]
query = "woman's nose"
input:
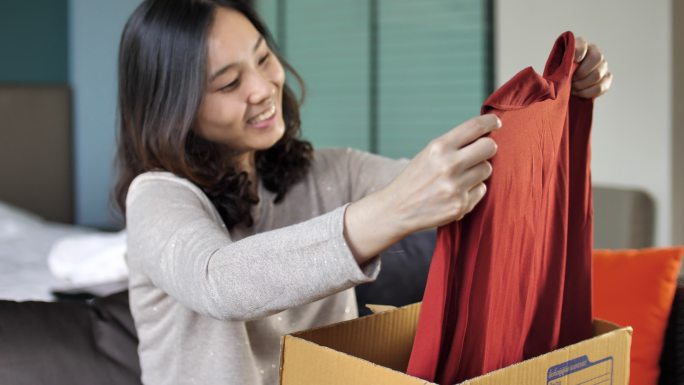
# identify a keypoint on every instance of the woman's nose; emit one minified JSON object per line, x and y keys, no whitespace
{"x":261,"y":89}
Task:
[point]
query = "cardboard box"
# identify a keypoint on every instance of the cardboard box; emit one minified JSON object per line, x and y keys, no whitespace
{"x":375,"y":350}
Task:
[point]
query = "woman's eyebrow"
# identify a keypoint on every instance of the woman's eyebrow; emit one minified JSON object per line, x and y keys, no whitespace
{"x":227,"y":67}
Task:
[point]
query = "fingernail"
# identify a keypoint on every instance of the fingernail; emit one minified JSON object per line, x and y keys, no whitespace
{"x":498,"y":122}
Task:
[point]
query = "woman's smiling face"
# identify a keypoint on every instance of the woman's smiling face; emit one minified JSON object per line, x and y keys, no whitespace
{"x":242,"y":104}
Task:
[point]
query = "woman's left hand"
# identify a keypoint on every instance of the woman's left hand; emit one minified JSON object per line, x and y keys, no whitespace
{"x":592,"y":78}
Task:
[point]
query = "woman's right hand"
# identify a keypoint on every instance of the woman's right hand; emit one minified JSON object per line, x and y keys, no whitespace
{"x":441,"y":184}
{"x":445,"y":180}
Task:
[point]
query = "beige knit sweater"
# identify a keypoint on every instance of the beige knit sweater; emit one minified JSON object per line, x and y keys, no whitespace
{"x":211,"y":305}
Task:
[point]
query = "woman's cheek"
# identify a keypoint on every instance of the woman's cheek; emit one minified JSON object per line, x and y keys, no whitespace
{"x":278,"y":73}
{"x":229,"y":110}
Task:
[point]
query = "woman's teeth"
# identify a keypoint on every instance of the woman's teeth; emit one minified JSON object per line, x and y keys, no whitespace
{"x":264,"y":116}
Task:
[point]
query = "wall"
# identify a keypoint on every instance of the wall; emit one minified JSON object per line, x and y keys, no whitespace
{"x":94,"y":30}
{"x":632,"y":130}
{"x":33,"y":40}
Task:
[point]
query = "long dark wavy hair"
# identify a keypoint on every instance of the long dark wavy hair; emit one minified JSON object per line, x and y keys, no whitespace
{"x":162,"y":64}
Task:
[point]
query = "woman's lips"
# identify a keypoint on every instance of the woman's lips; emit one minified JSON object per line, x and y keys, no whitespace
{"x":264,"y":119}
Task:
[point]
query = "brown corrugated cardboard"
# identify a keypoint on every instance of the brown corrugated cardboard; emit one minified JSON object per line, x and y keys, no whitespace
{"x":375,"y":350}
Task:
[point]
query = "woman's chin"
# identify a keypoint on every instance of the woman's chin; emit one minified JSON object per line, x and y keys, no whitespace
{"x":267,"y":138}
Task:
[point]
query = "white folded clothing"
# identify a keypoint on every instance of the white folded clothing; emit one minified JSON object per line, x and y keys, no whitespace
{"x":90,"y":259}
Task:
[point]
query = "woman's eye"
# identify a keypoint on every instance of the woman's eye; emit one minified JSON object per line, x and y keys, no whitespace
{"x":264,"y":58}
{"x":230,"y":85}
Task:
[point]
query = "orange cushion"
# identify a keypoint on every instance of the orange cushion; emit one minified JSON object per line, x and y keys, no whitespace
{"x":636,"y":288}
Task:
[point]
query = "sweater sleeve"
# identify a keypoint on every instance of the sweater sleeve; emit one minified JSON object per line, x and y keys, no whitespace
{"x":370,"y":172}
{"x":177,"y":240}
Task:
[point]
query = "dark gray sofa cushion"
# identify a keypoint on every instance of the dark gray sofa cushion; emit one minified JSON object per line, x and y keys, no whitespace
{"x":403,"y":274}
{"x":672,"y":358}
{"x":70,"y":343}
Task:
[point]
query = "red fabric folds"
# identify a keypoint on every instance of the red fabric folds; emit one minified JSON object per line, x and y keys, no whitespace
{"x":512,"y":280}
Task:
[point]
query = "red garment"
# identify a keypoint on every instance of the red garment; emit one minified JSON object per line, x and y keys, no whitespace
{"x":512,"y":280}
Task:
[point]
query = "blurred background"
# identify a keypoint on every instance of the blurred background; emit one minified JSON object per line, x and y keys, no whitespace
{"x":382,"y":75}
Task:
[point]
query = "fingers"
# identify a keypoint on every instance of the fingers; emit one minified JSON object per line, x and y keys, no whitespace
{"x":471,"y":130}
{"x":475,"y":195}
{"x":473,"y":154}
{"x":580,"y":49}
{"x":472,"y":181}
{"x":589,"y":63}
{"x":474,"y":175}
{"x":593,"y":78}
{"x":451,"y":171}
{"x":597,"y":89}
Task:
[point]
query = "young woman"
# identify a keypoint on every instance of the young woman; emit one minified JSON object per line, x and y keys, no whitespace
{"x":238,"y":231}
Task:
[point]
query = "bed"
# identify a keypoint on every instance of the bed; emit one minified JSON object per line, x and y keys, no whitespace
{"x":36,"y":188}
{"x":25,"y":241}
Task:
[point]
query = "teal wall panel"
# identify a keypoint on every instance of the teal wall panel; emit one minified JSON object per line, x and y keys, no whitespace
{"x":95,"y":30}
{"x":326,"y":41}
{"x":385,"y":75}
{"x":268,"y":11}
{"x":432,"y":70}
{"x":33,"y":41}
